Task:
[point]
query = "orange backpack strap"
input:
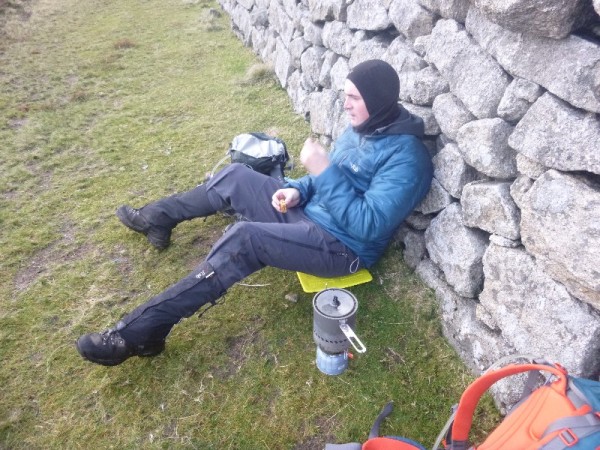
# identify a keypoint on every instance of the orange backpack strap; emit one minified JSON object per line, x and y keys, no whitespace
{"x":470,"y":398}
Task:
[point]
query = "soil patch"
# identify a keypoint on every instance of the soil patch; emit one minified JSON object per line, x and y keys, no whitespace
{"x":59,"y":252}
{"x":11,"y":10}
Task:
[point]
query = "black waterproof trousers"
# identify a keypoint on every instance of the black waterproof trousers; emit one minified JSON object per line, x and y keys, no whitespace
{"x":266,"y":237}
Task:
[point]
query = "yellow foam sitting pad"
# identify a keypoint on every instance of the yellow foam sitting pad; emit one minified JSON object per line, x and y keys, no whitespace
{"x":311,"y":283}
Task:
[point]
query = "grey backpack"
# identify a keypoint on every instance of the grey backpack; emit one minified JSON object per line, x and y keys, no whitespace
{"x":259,"y":151}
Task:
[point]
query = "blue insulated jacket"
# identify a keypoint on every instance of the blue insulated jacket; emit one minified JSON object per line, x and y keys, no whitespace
{"x":372,"y":184}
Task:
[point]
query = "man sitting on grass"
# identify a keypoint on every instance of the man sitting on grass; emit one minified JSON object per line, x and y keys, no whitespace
{"x":332,"y":222}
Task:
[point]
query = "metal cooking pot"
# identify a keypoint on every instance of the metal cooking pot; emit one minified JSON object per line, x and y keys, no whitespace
{"x":334,"y":317}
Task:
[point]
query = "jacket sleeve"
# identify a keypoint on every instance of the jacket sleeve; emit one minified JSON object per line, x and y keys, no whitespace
{"x":395,"y":190}
{"x":304,"y":186}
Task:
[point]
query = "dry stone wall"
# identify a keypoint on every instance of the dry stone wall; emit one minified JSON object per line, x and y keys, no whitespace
{"x":509,"y":235}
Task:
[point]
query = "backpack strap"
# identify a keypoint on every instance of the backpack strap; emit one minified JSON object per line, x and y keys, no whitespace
{"x":348,"y":446}
{"x":574,"y":429}
{"x":470,"y":398}
{"x":386,"y":411}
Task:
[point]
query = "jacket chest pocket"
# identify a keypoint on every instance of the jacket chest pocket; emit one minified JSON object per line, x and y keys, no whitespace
{"x":361,"y":170}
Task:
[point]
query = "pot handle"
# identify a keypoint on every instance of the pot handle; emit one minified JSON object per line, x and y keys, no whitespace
{"x":352,"y":337}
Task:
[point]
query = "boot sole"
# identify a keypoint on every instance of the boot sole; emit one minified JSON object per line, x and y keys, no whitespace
{"x":115,"y":362}
{"x":103,"y":362}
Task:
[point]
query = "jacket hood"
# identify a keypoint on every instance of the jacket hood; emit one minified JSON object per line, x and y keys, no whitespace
{"x":405,"y":123}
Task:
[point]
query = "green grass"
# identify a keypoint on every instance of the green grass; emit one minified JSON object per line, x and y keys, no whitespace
{"x":111,"y":102}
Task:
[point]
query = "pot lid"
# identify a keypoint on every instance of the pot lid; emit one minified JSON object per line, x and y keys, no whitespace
{"x":335,"y":303}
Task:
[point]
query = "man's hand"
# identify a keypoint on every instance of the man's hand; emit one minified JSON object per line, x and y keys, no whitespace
{"x":289,"y":196}
{"x":314,"y":157}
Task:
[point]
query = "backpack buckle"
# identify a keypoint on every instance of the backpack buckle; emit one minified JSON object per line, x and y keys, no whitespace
{"x":568,"y":437}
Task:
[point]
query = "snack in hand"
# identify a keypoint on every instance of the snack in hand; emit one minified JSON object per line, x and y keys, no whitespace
{"x":282,"y":206}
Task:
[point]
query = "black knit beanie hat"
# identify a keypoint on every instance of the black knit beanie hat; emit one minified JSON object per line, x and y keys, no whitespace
{"x":379,"y":86}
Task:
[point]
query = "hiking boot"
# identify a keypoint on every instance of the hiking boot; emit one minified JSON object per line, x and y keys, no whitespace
{"x":134,"y":220}
{"x":109,"y":348}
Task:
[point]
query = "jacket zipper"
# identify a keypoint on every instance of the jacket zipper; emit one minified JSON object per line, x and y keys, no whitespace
{"x":312,"y":247}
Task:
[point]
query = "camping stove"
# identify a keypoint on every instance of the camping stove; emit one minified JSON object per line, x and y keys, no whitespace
{"x":334,"y":316}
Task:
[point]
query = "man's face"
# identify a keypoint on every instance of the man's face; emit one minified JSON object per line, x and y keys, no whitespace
{"x":354,"y":105}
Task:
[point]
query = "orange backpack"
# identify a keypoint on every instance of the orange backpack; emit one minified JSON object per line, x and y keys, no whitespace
{"x":562,"y":414}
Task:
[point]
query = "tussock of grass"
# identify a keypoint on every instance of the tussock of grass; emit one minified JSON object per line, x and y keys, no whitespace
{"x":259,"y":73}
{"x":124,"y":43}
{"x":86,"y":126}
{"x":210,"y":20}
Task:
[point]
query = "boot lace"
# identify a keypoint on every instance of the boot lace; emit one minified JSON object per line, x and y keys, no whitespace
{"x":112,"y":337}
